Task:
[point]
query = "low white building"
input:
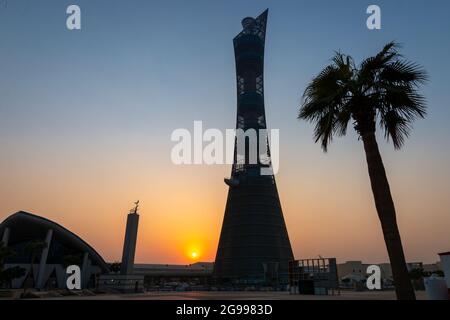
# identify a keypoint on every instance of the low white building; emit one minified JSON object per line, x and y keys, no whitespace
{"x":353,"y":273}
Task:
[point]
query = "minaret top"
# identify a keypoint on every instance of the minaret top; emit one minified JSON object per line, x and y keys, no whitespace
{"x":135,"y":209}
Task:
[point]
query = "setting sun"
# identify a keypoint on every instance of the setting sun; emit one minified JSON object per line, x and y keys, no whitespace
{"x":195,"y":251}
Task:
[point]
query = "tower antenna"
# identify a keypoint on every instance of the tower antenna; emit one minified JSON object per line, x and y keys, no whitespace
{"x":136,"y":207}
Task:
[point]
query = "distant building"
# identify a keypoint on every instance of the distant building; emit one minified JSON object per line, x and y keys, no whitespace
{"x":199,"y":273}
{"x":127,"y":280}
{"x":353,"y":273}
{"x":162,"y":269}
{"x":386,"y":270}
{"x":352,"y":269}
{"x":432,"y":267}
{"x":59,"y":248}
{"x":313,"y":276}
{"x":175,"y":270}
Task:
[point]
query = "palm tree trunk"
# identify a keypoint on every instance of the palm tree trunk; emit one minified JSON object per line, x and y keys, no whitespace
{"x":386,"y":213}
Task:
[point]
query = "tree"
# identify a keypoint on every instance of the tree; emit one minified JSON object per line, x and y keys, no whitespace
{"x":5,"y":253}
{"x":383,"y":89}
{"x":7,"y":275}
{"x":417,"y":274}
{"x":115,"y":267}
{"x":72,"y":259}
{"x":35,"y":249}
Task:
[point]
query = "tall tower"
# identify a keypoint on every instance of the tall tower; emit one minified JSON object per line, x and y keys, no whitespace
{"x":254,"y":246}
{"x":129,"y":244}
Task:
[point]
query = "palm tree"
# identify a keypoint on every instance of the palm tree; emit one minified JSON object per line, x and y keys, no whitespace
{"x":7,"y":275}
{"x":5,"y":253}
{"x":382,"y":89}
{"x":72,"y":259}
{"x":35,"y":249}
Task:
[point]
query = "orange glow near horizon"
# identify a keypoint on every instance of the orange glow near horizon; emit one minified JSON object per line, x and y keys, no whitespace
{"x":86,"y":121}
{"x":182,"y":207}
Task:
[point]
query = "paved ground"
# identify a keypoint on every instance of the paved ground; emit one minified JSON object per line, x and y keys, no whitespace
{"x":345,"y":295}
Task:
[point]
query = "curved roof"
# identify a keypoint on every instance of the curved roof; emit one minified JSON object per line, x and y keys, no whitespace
{"x":25,"y":225}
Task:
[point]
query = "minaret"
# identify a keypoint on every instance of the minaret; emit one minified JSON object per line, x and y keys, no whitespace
{"x":129,"y":244}
{"x":254,"y":246}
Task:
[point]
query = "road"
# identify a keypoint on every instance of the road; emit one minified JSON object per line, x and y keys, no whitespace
{"x":208,"y":295}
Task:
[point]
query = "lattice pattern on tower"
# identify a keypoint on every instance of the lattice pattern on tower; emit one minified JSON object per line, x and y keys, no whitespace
{"x":258,"y":28}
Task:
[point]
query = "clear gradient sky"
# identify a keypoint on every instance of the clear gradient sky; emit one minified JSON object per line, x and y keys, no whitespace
{"x":86,"y":118}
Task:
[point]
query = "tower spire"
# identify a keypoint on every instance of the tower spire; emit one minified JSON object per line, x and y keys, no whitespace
{"x":254,"y":245}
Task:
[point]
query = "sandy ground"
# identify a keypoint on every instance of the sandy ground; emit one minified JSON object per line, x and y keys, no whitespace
{"x":345,"y":295}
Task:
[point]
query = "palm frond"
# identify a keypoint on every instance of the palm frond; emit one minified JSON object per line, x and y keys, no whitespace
{"x":383,"y":88}
{"x":324,"y":129}
{"x":404,"y":72}
{"x":325,"y":99}
{"x":396,"y":127}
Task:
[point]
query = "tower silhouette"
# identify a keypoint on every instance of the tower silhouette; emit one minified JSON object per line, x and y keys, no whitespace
{"x":129,"y":243}
{"x":254,"y":246}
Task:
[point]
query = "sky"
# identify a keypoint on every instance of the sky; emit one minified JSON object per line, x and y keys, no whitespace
{"x":86,"y":118}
